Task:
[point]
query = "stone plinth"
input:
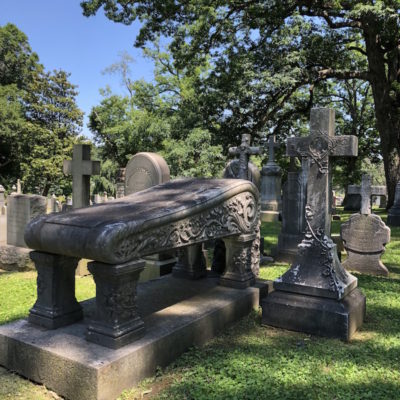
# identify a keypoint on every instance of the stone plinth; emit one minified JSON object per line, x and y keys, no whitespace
{"x":364,"y":238}
{"x":22,"y":208}
{"x":177,"y":316}
{"x":145,"y":170}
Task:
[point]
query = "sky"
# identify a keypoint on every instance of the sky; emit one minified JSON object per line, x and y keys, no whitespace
{"x":64,"y":39}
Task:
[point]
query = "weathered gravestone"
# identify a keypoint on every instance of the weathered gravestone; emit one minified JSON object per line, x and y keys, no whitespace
{"x":393,"y":218}
{"x":151,"y":323}
{"x":81,"y":167}
{"x":353,"y":200}
{"x":22,"y":208}
{"x":120,"y":190}
{"x":242,"y":168}
{"x":271,"y":175}
{"x":293,"y":212}
{"x":145,"y":170}
{"x":364,"y":236}
{"x":317,"y":295}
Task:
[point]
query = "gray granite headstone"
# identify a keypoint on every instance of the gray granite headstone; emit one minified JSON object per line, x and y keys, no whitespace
{"x":364,"y":236}
{"x":393,"y":218}
{"x":317,"y":295}
{"x":293,"y":212}
{"x":21,"y":209}
{"x":81,"y":167}
{"x":145,"y":170}
{"x":242,"y":167}
{"x":353,"y":200}
{"x":271,"y":175}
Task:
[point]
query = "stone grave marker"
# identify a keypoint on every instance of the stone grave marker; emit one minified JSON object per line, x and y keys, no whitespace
{"x":364,"y":236}
{"x":353,"y":201}
{"x":393,"y":218}
{"x":81,"y":167}
{"x":145,"y":170}
{"x":243,"y":168}
{"x":120,"y":192}
{"x":271,"y":175}
{"x":317,"y":295}
{"x":293,"y":212}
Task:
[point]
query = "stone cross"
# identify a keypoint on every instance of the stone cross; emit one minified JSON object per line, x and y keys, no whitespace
{"x":366,"y":190}
{"x":318,"y":147}
{"x":244,"y":151}
{"x":272,"y":144}
{"x":81,"y":168}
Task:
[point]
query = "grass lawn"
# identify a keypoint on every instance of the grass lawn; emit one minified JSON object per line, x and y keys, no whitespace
{"x":253,"y":362}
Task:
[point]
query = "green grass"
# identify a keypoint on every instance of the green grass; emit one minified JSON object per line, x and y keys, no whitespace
{"x":249,"y":361}
{"x":18,"y":293}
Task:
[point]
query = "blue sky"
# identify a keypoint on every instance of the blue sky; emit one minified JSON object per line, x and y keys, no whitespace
{"x":63,"y":38}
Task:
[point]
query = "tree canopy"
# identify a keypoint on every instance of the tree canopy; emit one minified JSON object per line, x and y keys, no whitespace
{"x":39,"y":118}
{"x":269,"y":59}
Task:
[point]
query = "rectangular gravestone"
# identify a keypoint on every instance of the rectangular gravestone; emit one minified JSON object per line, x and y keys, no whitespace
{"x":21,"y":209}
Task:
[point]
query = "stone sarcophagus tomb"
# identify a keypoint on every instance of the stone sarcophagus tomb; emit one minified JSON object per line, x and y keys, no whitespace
{"x":117,"y":234}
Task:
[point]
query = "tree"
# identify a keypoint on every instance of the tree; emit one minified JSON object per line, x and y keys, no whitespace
{"x":262,"y":52}
{"x":39,"y":118}
{"x":165,"y":116}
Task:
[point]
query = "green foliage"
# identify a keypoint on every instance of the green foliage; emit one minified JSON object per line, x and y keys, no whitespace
{"x":270,"y":60}
{"x":39,"y":118}
{"x":194,"y":156}
{"x":164,"y":116}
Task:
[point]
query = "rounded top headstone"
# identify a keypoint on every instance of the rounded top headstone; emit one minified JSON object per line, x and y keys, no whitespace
{"x":145,"y":170}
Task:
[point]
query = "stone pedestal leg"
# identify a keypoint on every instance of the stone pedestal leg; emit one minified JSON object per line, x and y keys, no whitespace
{"x":116,"y":321}
{"x":56,"y":304}
{"x":191,"y":263}
{"x":239,"y":261}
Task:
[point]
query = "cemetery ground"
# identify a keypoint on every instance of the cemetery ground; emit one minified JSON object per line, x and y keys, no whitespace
{"x":253,"y":362}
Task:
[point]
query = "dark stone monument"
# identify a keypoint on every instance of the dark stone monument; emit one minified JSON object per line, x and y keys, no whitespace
{"x":271,"y":175}
{"x":353,"y":199}
{"x":81,"y":167}
{"x":393,"y":218}
{"x":364,"y":236}
{"x":243,"y":168}
{"x":316,"y":295}
{"x":117,"y":234}
{"x":293,"y":212}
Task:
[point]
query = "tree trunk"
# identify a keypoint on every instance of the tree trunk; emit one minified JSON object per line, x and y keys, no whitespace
{"x":387,"y":112}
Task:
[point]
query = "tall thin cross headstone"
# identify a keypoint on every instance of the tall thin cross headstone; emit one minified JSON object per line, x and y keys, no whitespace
{"x":316,"y":277}
{"x":81,"y":167}
{"x":244,"y":151}
{"x":270,"y":192}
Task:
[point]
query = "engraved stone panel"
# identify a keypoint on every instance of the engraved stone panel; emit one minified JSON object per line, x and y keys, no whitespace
{"x":145,"y":170}
{"x":364,"y":238}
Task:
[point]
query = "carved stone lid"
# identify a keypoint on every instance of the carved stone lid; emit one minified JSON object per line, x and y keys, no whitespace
{"x":96,"y":232}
